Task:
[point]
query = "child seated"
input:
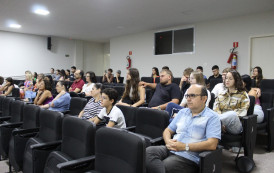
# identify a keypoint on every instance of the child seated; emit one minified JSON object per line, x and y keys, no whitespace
{"x":115,"y":115}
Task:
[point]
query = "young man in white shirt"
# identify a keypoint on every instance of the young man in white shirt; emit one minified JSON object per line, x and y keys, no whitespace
{"x":115,"y":115}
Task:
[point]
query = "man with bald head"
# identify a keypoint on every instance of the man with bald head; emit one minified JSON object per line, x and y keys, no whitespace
{"x":194,"y":129}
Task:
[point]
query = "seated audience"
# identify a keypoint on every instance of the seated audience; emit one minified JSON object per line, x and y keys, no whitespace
{"x":118,"y":78}
{"x":134,"y":94}
{"x":67,"y":71}
{"x":155,"y":74}
{"x":91,"y":80}
{"x":257,"y":77}
{"x":195,"y":78}
{"x":49,"y":78}
{"x":201,"y":69}
{"x":62,"y":101}
{"x":195,"y":129}
{"x":57,"y":75}
{"x":232,"y":104}
{"x":43,"y":95}
{"x":108,"y":76}
{"x":39,"y":79}
{"x":52,"y":73}
{"x":35,"y":76}
{"x":7,"y":87}
{"x":93,"y":107}
{"x":78,"y":82}
{"x":71,"y":76}
{"x":109,"y":111}
{"x":165,"y":91}
{"x":215,"y":71}
{"x":1,"y":83}
{"x":26,"y":92}
{"x":220,"y":87}
{"x":63,"y":75}
{"x":184,"y":83}
{"x":256,"y":92}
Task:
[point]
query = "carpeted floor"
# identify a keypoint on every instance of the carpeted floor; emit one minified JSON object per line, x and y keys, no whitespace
{"x":264,"y":161}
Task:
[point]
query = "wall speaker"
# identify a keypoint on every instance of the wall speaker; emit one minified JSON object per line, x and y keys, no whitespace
{"x":49,"y":43}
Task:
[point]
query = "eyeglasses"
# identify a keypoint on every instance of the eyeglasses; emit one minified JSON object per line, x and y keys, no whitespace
{"x":192,"y":96}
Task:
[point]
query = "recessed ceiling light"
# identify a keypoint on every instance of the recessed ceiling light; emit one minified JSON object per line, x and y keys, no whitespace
{"x":41,"y":12}
{"x":17,"y":26}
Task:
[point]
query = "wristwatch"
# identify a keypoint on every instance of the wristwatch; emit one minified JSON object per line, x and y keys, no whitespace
{"x":159,"y":108}
{"x":187,"y":147}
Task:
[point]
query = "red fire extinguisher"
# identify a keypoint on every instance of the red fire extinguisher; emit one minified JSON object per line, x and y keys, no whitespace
{"x":128,"y":62}
{"x":233,"y":56}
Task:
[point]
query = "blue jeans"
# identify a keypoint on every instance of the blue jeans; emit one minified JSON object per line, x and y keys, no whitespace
{"x":231,"y":122}
{"x":172,"y":108}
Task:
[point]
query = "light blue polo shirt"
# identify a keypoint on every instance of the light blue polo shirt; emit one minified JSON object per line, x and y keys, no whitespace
{"x":199,"y":128}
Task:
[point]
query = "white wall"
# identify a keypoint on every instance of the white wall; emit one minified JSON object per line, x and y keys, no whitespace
{"x":213,"y":41}
{"x":21,"y":52}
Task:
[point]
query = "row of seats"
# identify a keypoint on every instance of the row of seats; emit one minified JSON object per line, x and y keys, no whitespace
{"x":37,"y":140}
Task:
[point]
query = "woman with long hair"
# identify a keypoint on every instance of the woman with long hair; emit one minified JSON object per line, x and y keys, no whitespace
{"x":134,"y":95}
{"x":63,"y":75}
{"x":155,"y":74}
{"x":256,"y":92}
{"x":7,"y":87}
{"x":26,"y":90}
{"x":93,"y":107}
{"x":232,"y":104}
{"x":91,"y":80}
{"x":43,"y":95}
{"x":257,"y":76}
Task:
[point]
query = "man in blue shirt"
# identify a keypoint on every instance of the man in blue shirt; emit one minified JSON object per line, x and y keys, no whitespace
{"x":194,"y":129}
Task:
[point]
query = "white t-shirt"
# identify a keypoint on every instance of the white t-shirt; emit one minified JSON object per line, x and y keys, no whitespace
{"x":207,"y":101}
{"x":218,"y":89}
{"x":87,"y":88}
{"x":115,"y":115}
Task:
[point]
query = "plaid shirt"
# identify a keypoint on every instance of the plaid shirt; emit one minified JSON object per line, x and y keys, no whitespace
{"x":235,"y":101}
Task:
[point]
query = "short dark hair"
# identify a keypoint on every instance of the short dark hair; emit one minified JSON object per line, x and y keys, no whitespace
{"x":73,"y":67}
{"x":52,"y":69}
{"x":215,"y":67}
{"x":200,"y":67}
{"x":110,"y":70}
{"x":99,"y":86}
{"x":112,"y":94}
{"x":63,"y":83}
{"x":1,"y":80}
{"x":165,"y":67}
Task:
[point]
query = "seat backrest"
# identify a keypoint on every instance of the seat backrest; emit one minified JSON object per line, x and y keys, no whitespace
{"x":15,"y":92}
{"x":212,"y":100}
{"x":16,"y":111}
{"x":50,"y":125}
{"x":31,"y":116}
{"x":6,"y":106}
{"x":267,"y":85}
{"x":119,"y":151}
{"x":77,"y":104}
{"x":176,"y":80}
{"x":149,"y":94}
{"x":129,"y":114}
{"x":214,"y":82}
{"x":99,"y":79}
{"x":251,"y":105}
{"x":151,"y":122}
{"x":2,"y":98}
{"x":120,"y":90}
{"x":78,"y":138}
{"x":147,"y":79}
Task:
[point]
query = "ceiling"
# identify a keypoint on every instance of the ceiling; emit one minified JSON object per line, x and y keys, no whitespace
{"x":100,"y":20}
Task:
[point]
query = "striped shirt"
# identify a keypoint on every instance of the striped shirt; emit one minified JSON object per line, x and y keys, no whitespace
{"x":236,"y":101}
{"x":92,"y":109}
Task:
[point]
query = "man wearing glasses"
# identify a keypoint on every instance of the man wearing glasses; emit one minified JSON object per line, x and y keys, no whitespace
{"x":194,"y":129}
